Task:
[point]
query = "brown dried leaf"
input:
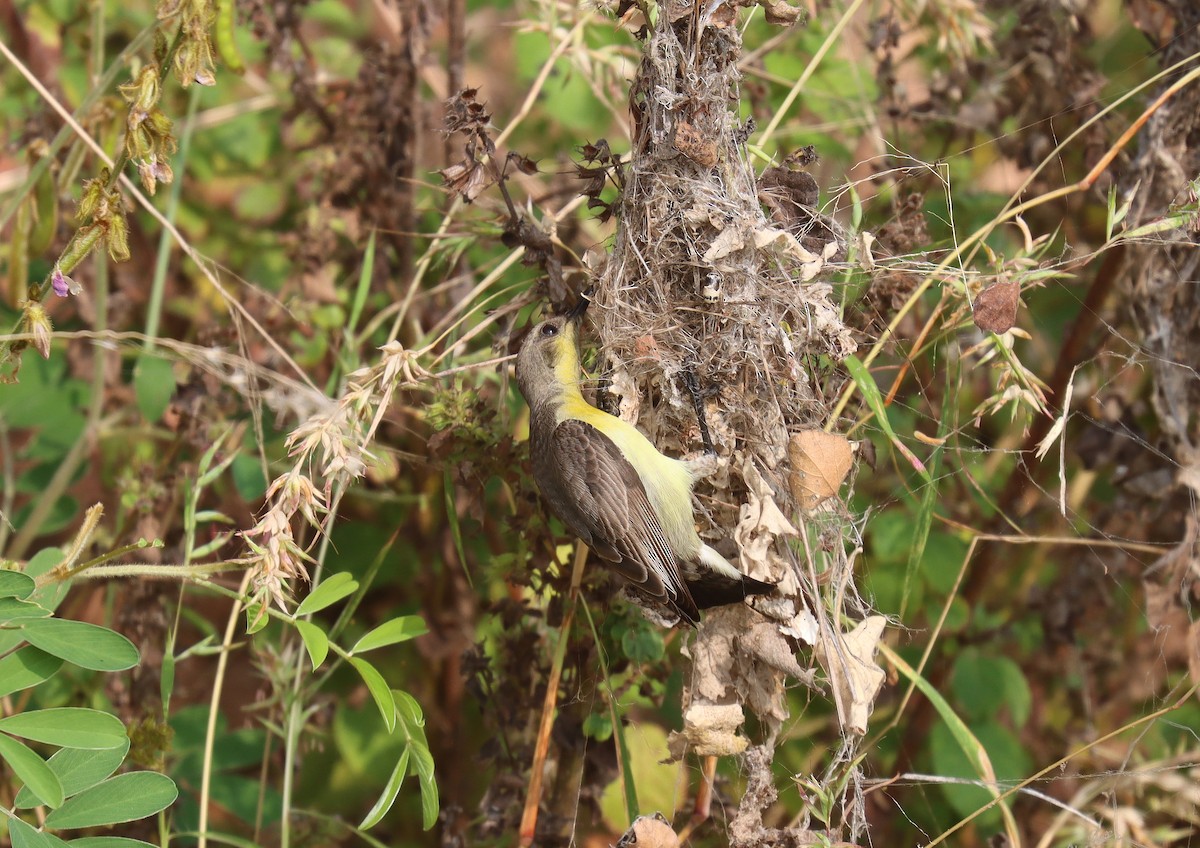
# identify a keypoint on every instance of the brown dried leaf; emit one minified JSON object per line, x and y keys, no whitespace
{"x":709,"y":730}
{"x":788,"y":193}
{"x":649,"y":832}
{"x":856,"y":677}
{"x":785,"y":240}
{"x":760,"y":521}
{"x":723,"y":16}
{"x":712,"y":661}
{"x":468,"y":178}
{"x":695,"y":144}
{"x":820,"y":462}
{"x":780,"y":13}
{"x":523,"y":163}
{"x":995,"y":308}
{"x":726,"y":242}
{"x":764,"y":662}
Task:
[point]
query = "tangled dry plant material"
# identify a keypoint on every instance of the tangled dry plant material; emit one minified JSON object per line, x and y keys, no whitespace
{"x":702,"y":283}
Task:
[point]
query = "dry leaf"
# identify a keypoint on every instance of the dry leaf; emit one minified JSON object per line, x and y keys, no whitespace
{"x":738,"y":656}
{"x":760,"y":521}
{"x":646,"y":347}
{"x":649,"y":832}
{"x":709,"y":730}
{"x":1162,"y":603}
{"x":726,"y":242}
{"x":803,"y":627}
{"x":866,"y":259}
{"x":820,"y":462}
{"x":780,"y":13}
{"x":696,"y":145}
{"x":764,"y":236}
{"x":856,"y":677}
{"x":995,"y":309}
{"x":622,"y":387}
{"x":712,"y":659}
{"x":764,"y":662}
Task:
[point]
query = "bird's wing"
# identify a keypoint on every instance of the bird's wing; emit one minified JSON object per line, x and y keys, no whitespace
{"x":611,"y":501}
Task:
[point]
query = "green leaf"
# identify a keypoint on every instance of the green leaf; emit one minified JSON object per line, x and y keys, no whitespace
{"x":86,"y":645}
{"x":970,"y":746}
{"x":363,"y":288}
{"x":1158,"y":225}
{"x":48,"y":596}
{"x":975,"y":753}
{"x":1005,"y":752}
{"x":628,"y":779}
{"x":124,"y":798}
{"x":14,"y":584}
{"x":379,"y":690}
{"x":153,"y":386}
{"x":315,"y":642}
{"x":870,"y":392}
{"x":598,"y":726}
{"x":410,"y":713}
{"x":78,"y":769}
{"x":331,"y":590}
{"x":248,"y":477}
{"x":1111,"y":220}
{"x":51,"y":594}
{"x":68,"y":727}
{"x":256,"y":617}
{"x":32,"y":769}
{"x":209,"y":474}
{"x":413,"y":721}
{"x":643,"y":644}
{"x":423,"y":761}
{"x":108,"y":842}
{"x":13,"y":609}
{"x":26,"y":668}
{"x":391,"y":632}
{"x":644,"y":782}
{"x":166,"y":680}
{"x":985,"y":683}
{"x":390,"y":791}
{"x":929,"y":502}
{"x":24,"y":836}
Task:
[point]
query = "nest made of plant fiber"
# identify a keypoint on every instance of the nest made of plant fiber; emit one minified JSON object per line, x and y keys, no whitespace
{"x":700,"y":281}
{"x":706,"y":299}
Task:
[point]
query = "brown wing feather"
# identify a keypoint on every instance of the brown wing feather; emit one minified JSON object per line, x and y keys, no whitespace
{"x":608,"y":509}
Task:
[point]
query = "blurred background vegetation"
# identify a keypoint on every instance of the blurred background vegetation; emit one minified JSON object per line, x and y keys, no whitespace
{"x":173,"y":366}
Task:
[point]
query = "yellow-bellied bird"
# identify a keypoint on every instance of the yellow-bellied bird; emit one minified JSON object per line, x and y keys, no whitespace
{"x":613,"y":489}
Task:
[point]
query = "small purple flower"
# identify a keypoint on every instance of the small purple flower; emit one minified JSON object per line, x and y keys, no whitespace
{"x":63,"y":285}
{"x":59,"y":281}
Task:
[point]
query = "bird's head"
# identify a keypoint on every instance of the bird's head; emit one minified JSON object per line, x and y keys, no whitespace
{"x":548,"y":363}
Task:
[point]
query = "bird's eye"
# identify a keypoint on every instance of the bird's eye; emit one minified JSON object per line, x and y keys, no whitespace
{"x":549,"y":330}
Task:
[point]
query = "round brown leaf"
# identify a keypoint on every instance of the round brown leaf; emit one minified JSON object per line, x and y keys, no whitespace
{"x":820,"y":462}
{"x":996,"y":307}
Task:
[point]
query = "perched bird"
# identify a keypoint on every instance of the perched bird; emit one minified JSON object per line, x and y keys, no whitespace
{"x":613,"y":489}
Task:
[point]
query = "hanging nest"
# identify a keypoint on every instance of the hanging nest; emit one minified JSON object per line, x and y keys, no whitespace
{"x":707,"y":296}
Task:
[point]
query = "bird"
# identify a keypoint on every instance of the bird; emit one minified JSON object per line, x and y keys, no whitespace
{"x":613,"y":489}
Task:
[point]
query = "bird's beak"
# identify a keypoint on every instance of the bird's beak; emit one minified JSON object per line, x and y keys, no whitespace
{"x":575,"y":313}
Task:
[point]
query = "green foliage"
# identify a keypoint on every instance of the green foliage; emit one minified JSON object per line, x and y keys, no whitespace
{"x":951,"y":759}
{"x":314,"y":234}
{"x":401,"y":714}
{"x":74,"y":786}
{"x":233,"y":766}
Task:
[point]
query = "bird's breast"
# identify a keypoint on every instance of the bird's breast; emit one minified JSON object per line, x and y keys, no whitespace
{"x":667,"y":481}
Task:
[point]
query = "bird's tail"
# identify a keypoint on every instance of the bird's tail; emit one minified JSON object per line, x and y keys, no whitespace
{"x":715,"y":582}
